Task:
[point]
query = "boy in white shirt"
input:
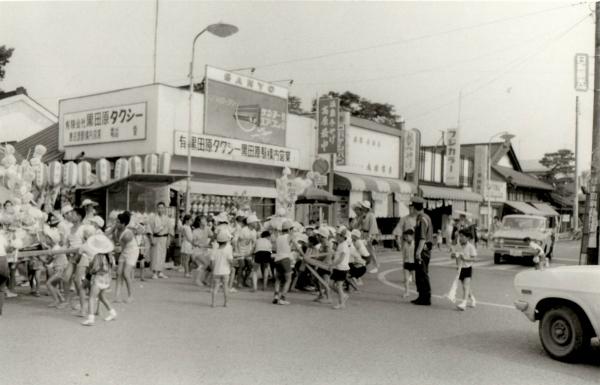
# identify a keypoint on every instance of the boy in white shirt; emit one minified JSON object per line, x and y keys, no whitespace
{"x":341,"y":267}
{"x":539,"y":257}
{"x":464,"y":260}
{"x":221,"y":259}
{"x":408,"y":258}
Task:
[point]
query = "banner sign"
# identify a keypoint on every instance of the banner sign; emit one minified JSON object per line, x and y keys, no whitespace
{"x":581,"y":72}
{"x":481,"y":169}
{"x":244,"y":108}
{"x":214,"y":147}
{"x":410,"y":151}
{"x":103,"y":125}
{"x":340,"y":158}
{"x":452,"y":170}
{"x":328,"y":122}
{"x":496,"y":192}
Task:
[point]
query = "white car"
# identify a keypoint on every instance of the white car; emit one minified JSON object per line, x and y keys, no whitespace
{"x":566,"y":301}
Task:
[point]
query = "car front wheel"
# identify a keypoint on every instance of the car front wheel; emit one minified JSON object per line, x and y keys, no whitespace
{"x":562,"y":334}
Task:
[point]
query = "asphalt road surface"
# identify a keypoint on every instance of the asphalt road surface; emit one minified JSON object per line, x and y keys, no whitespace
{"x":170,"y":335}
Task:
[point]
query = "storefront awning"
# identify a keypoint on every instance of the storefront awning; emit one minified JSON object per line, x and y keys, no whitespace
{"x":228,"y":189}
{"x":355,"y":182}
{"x":525,"y":208}
{"x":435,"y":192}
{"x":546,"y":209}
{"x":140,"y":178}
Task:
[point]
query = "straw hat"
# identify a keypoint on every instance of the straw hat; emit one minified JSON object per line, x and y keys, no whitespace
{"x":88,"y":202}
{"x":97,"y":244}
{"x":302,"y":238}
{"x":322,"y":231}
{"x":356,"y":233}
{"x":365,"y":204}
{"x":222,"y":218}
{"x":66,"y":209}
{"x":52,"y":233}
{"x":223,"y":236}
{"x":252,"y":219}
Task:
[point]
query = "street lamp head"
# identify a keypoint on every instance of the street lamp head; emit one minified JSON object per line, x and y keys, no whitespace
{"x":222,"y":29}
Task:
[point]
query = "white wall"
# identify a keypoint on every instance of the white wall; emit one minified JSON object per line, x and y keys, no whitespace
{"x":20,"y":118}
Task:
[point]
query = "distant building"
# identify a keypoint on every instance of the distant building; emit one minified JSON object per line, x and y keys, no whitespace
{"x":533,"y":167}
{"x":21,"y":116}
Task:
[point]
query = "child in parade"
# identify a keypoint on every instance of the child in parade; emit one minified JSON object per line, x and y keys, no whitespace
{"x":4,"y":273}
{"x":408,"y":259}
{"x":186,"y":237}
{"x":283,"y":264}
{"x":465,"y":258}
{"x":51,"y":240}
{"x":324,"y":249}
{"x":361,"y":257}
{"x":341,"y":267}
{"x":245,"y":241}
{"x":97,"y":249}
{"x":262,"y":258}
{"x":539,"y":257}
{"x":221,"y":259}
{"x":129,"y":253}
{"x":201,"y":240}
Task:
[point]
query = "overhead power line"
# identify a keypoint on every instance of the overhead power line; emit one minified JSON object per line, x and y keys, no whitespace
{"x":417,"y":38}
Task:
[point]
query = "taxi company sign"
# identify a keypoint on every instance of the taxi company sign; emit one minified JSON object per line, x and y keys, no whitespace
{"x":244,"y":108}
{"x":215,"y":147}
{"x":452,"y":171}
{"x":102,"y":125}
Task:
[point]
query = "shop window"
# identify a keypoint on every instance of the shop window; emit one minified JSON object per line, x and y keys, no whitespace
{"x":263,"y":207}
{"x":428,"y":166}
{"x":437,"y":167}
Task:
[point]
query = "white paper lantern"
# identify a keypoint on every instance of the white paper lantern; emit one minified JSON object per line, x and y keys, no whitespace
{"x":55,"y":174}
{"x":121,"y":168}
{"x":151,"y":164}
{"x":135,"y":165}
{"x":41,"y":175}
{"x":70,"y":174}
{"x":103,"y":170}
{"x":84,"y":173}
{"x":164,"y":163}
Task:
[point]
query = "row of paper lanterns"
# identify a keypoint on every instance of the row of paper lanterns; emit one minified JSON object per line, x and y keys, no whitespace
{"x":73,"y":174}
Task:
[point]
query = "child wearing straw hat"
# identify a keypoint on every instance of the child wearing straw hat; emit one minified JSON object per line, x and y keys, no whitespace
{"x":97,"y":248}
{"x":221,"y":259}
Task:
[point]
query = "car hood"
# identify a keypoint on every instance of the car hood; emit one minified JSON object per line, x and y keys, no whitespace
{"x":519,"y":234}
{"x":583,"y":278}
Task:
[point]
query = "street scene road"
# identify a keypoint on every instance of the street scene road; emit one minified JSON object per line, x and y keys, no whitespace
{"x":170,"y":335}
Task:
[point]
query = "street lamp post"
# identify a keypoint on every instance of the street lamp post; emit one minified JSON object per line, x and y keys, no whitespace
{"x":506,"y":136}
{"x":220,"y":30}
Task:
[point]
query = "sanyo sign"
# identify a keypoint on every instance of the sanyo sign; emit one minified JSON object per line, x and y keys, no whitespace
{"x":222,"y":76}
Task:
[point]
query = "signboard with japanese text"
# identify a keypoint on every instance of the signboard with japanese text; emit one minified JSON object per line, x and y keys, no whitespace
{"x":328,"y":116}
{"x":581,"y":72}
{"x":496,"y":192}
{"x":371,"y":153}
{"x":103,"y":125}
{"x":244,"y":108}
{"x":480,"y":173}
{"x":452,"y":169}
{"x":340,"y":158}
{"x":215,"y":147}
{"x":409,"y":151}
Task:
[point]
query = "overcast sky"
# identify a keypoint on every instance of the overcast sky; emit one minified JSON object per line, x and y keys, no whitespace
{"x":513,"y":61}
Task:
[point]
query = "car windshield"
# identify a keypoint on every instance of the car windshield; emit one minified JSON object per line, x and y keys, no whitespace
{"x":523,"y":223}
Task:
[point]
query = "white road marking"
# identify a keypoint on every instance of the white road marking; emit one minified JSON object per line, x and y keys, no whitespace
{"x":382,"y":278}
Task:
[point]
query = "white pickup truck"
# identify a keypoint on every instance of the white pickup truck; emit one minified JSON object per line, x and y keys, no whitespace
{"x":566,"y":301}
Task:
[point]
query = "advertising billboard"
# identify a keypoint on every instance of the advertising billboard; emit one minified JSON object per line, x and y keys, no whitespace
{"x":452,"y":172}
{"x":328,"y":121}
{"x":244,"y":108}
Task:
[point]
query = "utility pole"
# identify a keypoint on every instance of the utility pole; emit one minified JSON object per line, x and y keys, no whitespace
{"x":591,"y":209}
{"x":576,"y":199}
{"x":155,"y":41}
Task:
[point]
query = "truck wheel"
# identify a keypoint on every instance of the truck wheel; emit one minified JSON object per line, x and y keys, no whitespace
{"x":562,"y":334}
{"x":497,"y":259}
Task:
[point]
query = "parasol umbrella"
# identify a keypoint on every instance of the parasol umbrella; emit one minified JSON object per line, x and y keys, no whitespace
{"x":313,"y":195}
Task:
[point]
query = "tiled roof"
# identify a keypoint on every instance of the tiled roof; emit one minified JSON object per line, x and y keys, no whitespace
{"x":48,"y":138}
{"x":533,"y":165}
{"x":522,"y":180}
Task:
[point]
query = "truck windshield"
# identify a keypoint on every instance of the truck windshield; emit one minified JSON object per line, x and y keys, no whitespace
{"x":523,"y":223}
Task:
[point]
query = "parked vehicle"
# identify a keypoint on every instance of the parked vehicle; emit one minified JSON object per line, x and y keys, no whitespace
{"x":566,"y":302}
{"x":508,"y":241}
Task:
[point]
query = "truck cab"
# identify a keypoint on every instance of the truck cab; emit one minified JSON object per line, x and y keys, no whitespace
{"x":508,"y":240}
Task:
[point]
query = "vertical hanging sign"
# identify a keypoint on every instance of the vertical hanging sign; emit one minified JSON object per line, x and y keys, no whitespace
{"x":581,"y":72}
{"x":344,"y":123}
{"x":452,"y":170}
{"x":409,"y":149}
{"x":328,"y":122}
{"x":480,"y":184}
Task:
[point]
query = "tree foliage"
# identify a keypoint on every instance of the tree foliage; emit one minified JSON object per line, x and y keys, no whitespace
{"x":5,"y":54}
{"x":561,"y":172}
{"x":295,"y":105}
{"x":360,"y":107}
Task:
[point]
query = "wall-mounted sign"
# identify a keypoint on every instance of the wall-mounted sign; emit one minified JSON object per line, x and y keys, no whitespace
{"x":340,"y":158}
{"x":409,"y":151}
{"x":244,"y":108}
{"x":328,"y":120}
{"x":452,"y":170}
{"x":103,"y":125}
{"x":480,"y":174}
{"x":371,"y":153}
{"x":321,"y":166}
{"x":215,"y":147}
{"x":581,"y":72}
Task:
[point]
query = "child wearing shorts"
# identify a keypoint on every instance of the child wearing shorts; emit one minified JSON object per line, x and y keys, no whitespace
{"x":262,"y":258}
{"x":97,"y":249}
{"x":408,"y":259}
{"x":283,"y":264}
{"x":221,"y":260}
{"x":465,"y":259}
{"x":539,"y":258}
{"x":341,"y":267}
{"x":51,"y":240}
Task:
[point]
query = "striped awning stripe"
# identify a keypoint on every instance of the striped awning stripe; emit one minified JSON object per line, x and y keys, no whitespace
{"x":355,"y":182}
